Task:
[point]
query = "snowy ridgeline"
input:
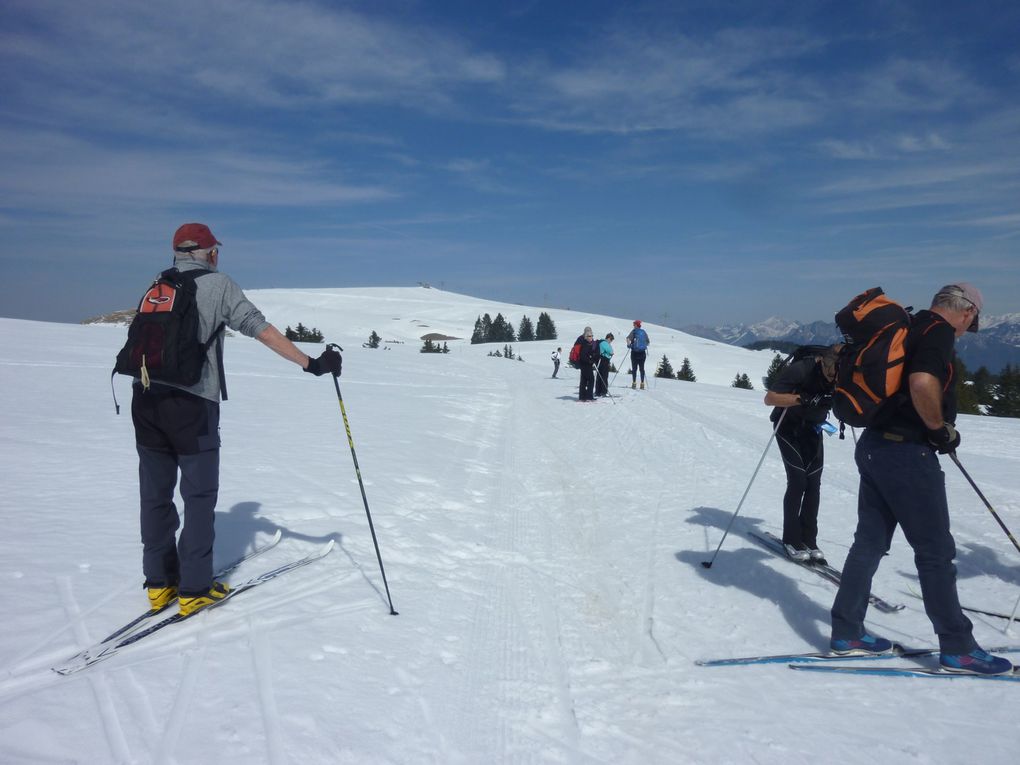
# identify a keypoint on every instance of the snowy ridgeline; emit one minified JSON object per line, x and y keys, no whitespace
{"x":544,"y":557}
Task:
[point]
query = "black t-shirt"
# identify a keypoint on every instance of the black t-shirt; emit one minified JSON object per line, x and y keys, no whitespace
{"x":806,"y":378}
{"x":930,"y":348}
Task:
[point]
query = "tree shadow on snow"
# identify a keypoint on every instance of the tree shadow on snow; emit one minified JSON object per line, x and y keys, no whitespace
{"x":237,"y":529}
{"x":747,"y":568}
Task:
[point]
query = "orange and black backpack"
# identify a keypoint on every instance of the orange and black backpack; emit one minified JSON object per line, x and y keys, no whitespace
{"x":870,"y":368}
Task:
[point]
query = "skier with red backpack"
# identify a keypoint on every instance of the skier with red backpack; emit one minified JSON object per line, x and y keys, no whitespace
{"x":174,"y":352}
{"x":902,"y":483}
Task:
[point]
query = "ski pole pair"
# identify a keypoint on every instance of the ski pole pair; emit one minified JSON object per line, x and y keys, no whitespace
{"x":357,"y":470}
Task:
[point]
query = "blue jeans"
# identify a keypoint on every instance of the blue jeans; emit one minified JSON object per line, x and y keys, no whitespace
{"x":902,"y":484}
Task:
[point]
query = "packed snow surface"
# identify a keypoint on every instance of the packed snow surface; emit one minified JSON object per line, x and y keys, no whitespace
{"x":544,"y":557}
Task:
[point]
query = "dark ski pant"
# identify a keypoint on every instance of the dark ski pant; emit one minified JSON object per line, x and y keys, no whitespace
{"x":637,"y":362}
{"x":803,"y":457}
{"x":556,"y":367}
{"x":602,"y":377}
{"x":902,"y":484}
{"x":177,"y":432}
{"x":585,"y":393}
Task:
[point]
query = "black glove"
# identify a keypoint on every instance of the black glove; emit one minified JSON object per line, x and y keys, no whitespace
{"x":330,"y":361}
{"x":823,"y":400}
{"x":944,"y":439}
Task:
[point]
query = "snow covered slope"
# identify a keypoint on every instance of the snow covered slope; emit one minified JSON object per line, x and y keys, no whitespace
{"x":544,"y":557}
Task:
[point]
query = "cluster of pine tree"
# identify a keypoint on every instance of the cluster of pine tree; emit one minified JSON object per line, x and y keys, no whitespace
{"x":742,"y":381}
{"x":303,"y":335}
{"x":499,"y":330}
{"x":686,"y":371}
{"x":508,"y":353}
{"x":430,"y":347}
{"x":985,"y":393}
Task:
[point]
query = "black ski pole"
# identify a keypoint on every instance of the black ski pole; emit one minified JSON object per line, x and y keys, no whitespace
{"x":357,"y":470}
{"x":708,"y":563}
{"x":988,"y":504}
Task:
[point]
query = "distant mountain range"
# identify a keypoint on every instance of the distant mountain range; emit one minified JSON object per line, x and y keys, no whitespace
{"x":995,"y":346}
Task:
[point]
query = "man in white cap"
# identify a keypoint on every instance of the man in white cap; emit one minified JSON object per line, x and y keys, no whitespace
{"x":903,"y":485}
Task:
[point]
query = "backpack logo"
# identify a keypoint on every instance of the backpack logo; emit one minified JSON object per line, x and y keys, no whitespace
{"x":870,"y":368}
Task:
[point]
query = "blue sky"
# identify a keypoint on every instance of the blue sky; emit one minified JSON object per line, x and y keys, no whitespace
{"x":710,"y":161}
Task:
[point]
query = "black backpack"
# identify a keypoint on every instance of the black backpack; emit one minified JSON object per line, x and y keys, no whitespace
{"x":163,"y":343}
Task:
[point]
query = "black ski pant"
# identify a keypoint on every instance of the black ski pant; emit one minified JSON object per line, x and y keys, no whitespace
{"x":902,"y":484}
{"x":556,"y":367}
{"x":637,"y":361}
{"x":803,"y":457}
{"x":602,"y":378}
{"x":586,"y":392}
{"x":177,"y":432}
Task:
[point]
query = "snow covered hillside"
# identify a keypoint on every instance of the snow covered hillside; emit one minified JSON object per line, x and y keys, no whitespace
{"x":544,"y":557}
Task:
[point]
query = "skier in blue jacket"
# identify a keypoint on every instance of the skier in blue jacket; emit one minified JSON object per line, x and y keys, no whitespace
{"x":638,"y":343}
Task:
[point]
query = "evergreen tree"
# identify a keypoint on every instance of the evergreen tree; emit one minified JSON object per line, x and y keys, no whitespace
{"x":526,"y":331}
{"x":686,"y":371}
{"x":478,"y":336}
{"x":773,"y":371}
{"x":446,"y":348}
{"x":545,"y":330}
{"x":290,"y":334}
{"x":501,"y":331}
{"x":665,"y":369}
{"x":1007,"y":394}
{"x":966,"y":397}
{"x":373,"y":340}
{"x":742,"y":381}
{"x":487,"y":329}
{"x":428,"y":347}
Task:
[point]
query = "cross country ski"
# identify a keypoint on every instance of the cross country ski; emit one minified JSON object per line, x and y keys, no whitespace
{"x":775,"y":546}
{"x":106,"y":650}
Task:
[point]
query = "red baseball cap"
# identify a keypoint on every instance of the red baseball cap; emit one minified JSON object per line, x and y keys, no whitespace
{"x":194,"y":236}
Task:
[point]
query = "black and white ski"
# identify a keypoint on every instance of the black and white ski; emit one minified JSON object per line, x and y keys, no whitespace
{"x":897,"y":652}
{"x":1014,"y":676}
{"x":106,"y":650}
{"x":775,"y":545}
{"x":141,"y":619}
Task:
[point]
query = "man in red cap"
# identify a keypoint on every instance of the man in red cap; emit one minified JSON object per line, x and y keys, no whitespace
{"x":903,"y":485}
{"x":177,"y":430}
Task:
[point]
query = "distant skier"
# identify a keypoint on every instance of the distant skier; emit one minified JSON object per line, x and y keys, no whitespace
{"x":638,"y":342}
{"x":177,"y":430}
{"x":604,"y":360}
{"x":586,"y":360}
{"x":556,"y":361}
{"x":804,"y":390}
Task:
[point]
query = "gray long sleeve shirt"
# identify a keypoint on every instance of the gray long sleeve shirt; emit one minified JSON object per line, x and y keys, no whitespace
{"x":219,"y":299}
